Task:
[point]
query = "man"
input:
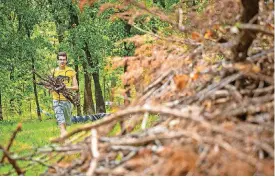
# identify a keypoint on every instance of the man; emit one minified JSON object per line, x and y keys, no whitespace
{"x":62,"y":107}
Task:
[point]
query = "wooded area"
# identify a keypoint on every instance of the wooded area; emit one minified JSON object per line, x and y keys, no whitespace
{"x":190,"y":84}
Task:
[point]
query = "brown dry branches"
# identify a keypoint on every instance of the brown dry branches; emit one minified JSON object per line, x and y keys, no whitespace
{"x":57,"y":85}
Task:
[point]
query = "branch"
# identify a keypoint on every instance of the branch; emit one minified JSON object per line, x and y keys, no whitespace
{"x":18,"y":128}
{"x":261,"y":55}
{"x":184,"y":41}
{"x":160,"y":15}
{"x":180,"y":26}
{"x":95,"y":153}
{"x":256,"y":28}
{"x":185,"y":113}
{"x":158,"y":81}
{"x":12,"y":161}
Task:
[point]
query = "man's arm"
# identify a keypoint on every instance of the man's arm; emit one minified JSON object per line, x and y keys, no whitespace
{"x":75,"y":86}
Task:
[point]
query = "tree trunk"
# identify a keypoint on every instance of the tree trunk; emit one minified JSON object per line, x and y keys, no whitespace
{"x":113,"y":85}
{"x":100,"y":103}
{"x":127,"y":95}
{"x":78,"y":107}
{"x":74,"y":22}
{"x":1,"y":112}
{"x":246,"y":37}
{"x":104,"y":87}
{"x":34,"y":83}
{"x":127,"y":86}
{"x":88,"y":106}
{"x":35,"y":93}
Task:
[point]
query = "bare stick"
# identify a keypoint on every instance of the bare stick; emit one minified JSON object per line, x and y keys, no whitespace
{"x":255,"y":27}
{"x":158,"y":81}
{"x":144,"y":121}
{"x":12,"y":161}
{"x":18,"y":128}
{"x":95,"y":153}
{"x":180,"y":26}
{"x":260,"y":55}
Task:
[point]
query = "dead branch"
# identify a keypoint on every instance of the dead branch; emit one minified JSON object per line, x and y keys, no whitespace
{"x":187,"y":113}
{"x":18,"y":128}
{"x":95,"y":153}
{"x":12,"y":161}
{"x":255,"y":27}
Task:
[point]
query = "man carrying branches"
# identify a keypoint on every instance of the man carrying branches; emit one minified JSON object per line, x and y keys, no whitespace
{"x":62,"y":83}
{"x":61,"y":103}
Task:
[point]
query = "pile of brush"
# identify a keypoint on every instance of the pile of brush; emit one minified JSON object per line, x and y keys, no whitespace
{"x":225,"y":128}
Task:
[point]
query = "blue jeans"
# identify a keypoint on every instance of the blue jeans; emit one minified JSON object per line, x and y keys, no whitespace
{"x":63,"y":111}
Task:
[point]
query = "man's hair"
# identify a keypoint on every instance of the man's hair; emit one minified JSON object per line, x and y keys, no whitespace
{"x":62,"y":54}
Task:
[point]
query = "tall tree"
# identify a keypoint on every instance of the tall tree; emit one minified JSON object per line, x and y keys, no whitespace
{"x":1,"y":113}
{"x":127,"y":28}
{"x":100,"y":104}
{"x":74,"y":22}
{"x":88,"y":106}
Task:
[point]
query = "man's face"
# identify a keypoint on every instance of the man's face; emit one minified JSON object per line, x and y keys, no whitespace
{"x":62,"y":61}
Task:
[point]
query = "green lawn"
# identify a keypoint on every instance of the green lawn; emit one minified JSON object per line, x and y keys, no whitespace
{"x":38,"y":134}
{"x":34,"y":134}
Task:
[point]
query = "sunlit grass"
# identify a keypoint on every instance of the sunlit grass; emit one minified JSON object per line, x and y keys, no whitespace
{"x":34,"y":134}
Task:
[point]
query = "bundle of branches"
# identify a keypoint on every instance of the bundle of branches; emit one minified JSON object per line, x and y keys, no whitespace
{"x":57,"y":85}
{"x":213,"y":112}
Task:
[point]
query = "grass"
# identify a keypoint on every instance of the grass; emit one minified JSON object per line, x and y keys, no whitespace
{"x":36,"y":134}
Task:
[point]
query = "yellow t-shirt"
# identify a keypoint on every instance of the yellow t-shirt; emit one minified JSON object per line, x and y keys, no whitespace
{"x":67,"y":75}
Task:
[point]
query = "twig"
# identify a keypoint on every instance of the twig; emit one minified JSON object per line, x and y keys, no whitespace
{"x":39,"y":161}
{"x":128,"y":157}
{"x":156,"y":92}
{"x":255,"y":27}
{"x":259,"y":90}
{"x":185,"y":113}
{"x":260,"y":76}
{"x":12,"y":161}
{"x":71,"y":148}
{"x":18,"y":128}
{"x":260,"y":55}
{"x":144,"y":121}
{"x":129,"y":148}
{"x":210,"y":89}
{"x":158,"y":81}
{"x":180,"y":26}
{"x":233,"y":90}
{"x":143,"y":140}
{"x":95,"y":153}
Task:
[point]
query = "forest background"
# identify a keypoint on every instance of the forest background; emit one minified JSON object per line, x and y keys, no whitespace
{"x":32,"y":33}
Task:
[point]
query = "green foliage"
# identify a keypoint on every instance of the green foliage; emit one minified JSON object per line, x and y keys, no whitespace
{"x":32,"y":29}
